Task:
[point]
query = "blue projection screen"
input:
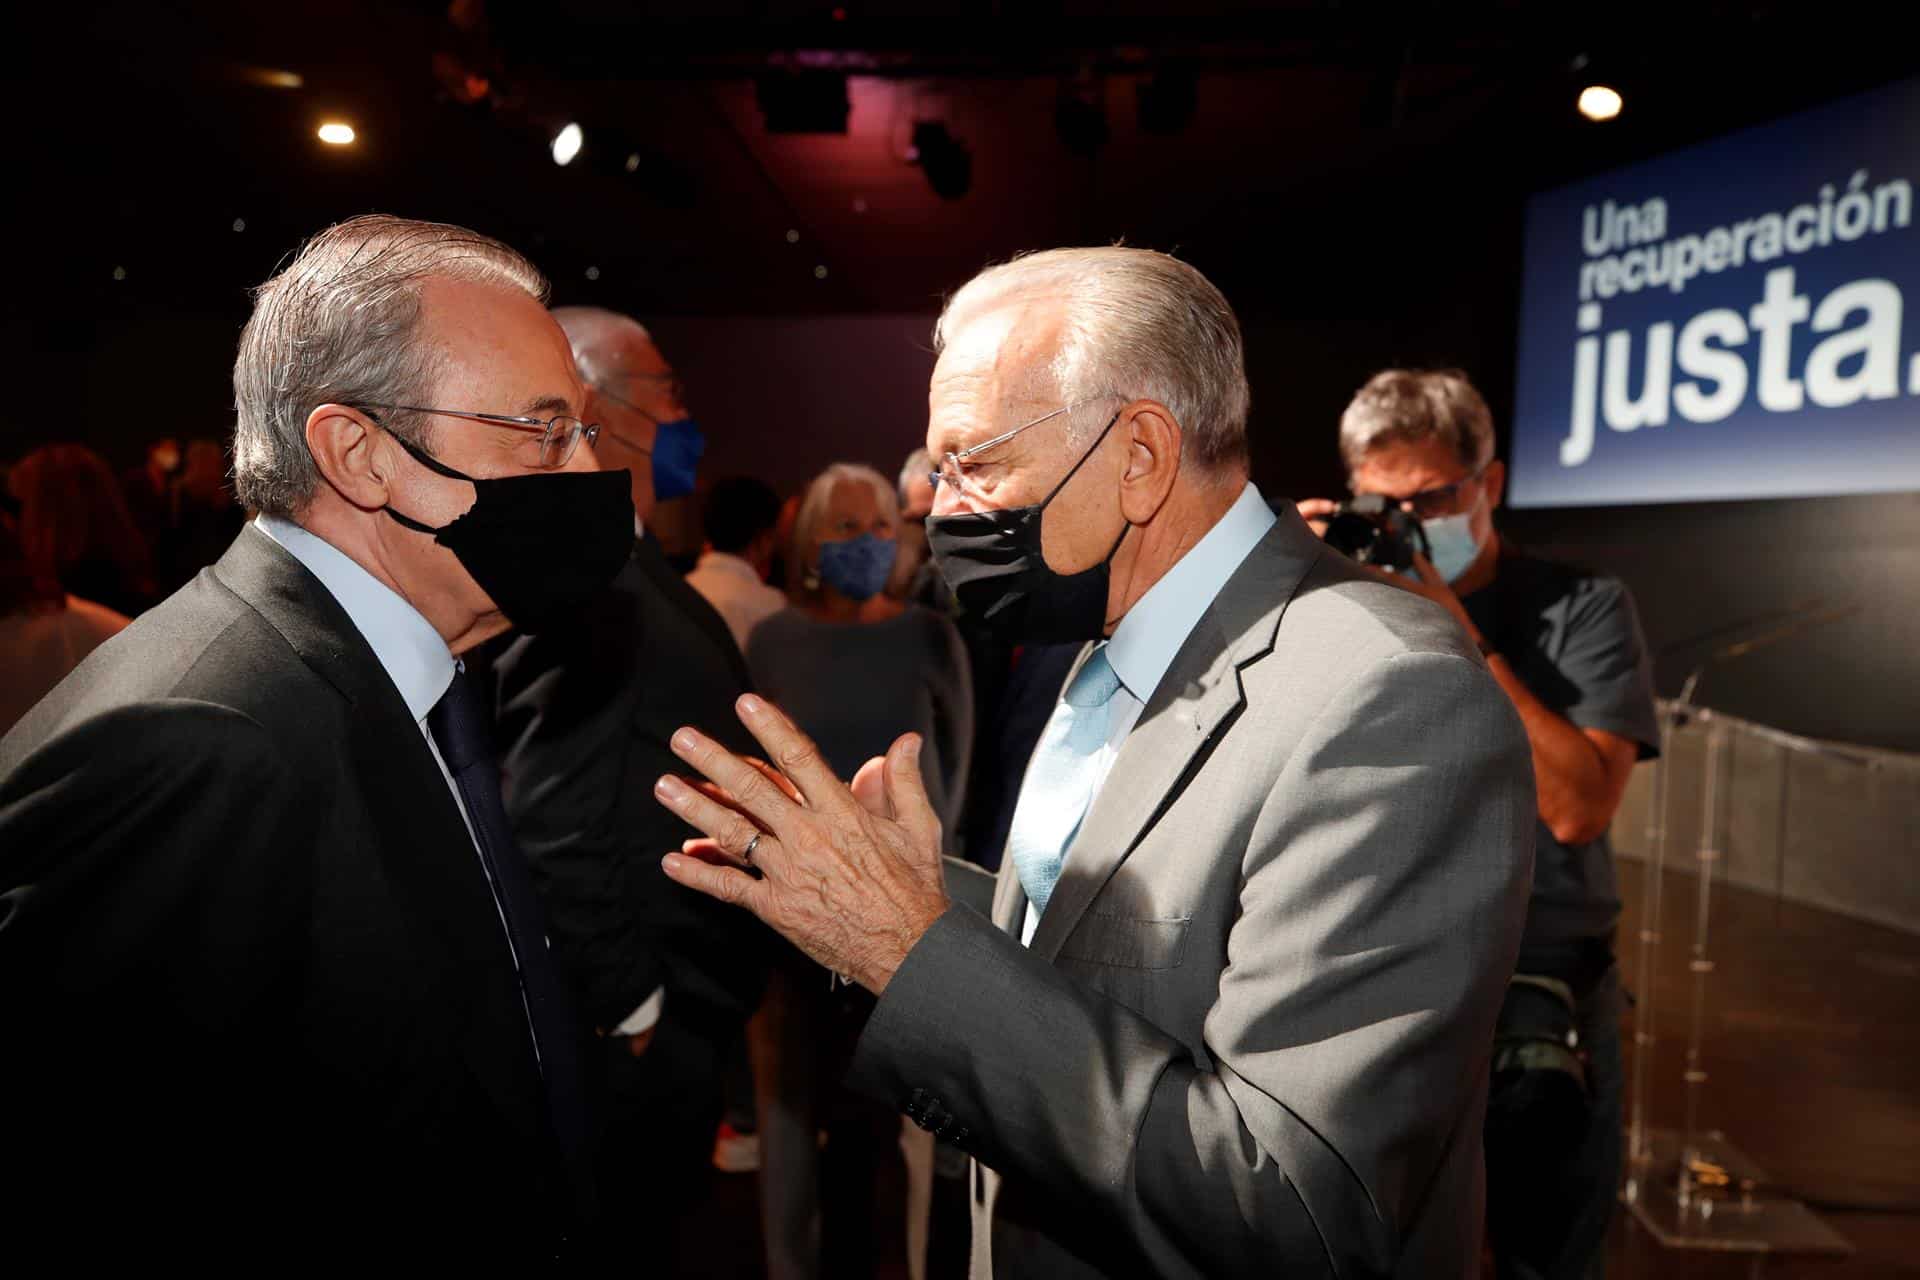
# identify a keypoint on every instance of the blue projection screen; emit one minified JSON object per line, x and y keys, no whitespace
{"x":1728,"y":321}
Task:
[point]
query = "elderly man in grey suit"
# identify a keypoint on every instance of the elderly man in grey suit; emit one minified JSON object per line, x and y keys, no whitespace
{"x":1229,"y":1011}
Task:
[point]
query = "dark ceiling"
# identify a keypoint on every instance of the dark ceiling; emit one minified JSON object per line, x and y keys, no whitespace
{"x":1316,"y":129}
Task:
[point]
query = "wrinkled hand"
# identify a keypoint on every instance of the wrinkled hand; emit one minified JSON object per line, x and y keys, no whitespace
{"x":1316,"y":512}
{"x":850,"y":875}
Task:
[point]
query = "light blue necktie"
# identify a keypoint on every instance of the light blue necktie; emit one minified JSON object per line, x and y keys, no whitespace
{"x":1060,"y":779}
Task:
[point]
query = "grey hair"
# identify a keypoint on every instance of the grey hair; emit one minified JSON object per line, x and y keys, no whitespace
{"x":813,"y":510}
{"x":596,"y":336}
{"x":341,"y":325}
{"x":1137,"y":324}
{"x":918,"y":466}
{"x":1409,"y":406}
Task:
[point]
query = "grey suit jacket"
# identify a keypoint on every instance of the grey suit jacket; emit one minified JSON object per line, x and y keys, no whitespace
{"x":1251,"y":1034}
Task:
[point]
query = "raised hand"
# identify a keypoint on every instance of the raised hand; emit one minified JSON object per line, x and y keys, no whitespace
{"x":853,"y":881}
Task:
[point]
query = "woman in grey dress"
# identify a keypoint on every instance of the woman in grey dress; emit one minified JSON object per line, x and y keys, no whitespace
{"x":855,"y":669}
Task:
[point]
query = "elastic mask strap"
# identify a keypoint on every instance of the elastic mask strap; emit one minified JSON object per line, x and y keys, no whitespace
{"x":1075,"y":470}
{"x":427,"y":460}
{"x":431,"y":463}
{"x":408,"y":522}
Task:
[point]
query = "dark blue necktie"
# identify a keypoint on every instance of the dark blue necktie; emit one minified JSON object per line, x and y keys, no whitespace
{"x":460,"y":729}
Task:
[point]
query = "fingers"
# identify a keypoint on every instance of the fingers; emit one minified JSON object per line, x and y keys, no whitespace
{"x":907,"y":793}
{"x":870,"y":787}
{"x":729,"y":828}
{"x":790,"y":751}
{"x":746,"y":788}
{"x":778,"y":779}
{"x":736,"y":888}
{"x":708,"y":849}
{"x":1428,"y":574}
{"x":1316,"y":508}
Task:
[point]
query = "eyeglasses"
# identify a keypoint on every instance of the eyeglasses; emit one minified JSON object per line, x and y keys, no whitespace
{"x":559,"y":436}
{"x":953,"y":465}
{"x":1432,"y":504}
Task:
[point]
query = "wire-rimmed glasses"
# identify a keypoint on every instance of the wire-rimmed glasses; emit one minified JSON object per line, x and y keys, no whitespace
{"x":560,"y":435}
{"x":952,"y":468}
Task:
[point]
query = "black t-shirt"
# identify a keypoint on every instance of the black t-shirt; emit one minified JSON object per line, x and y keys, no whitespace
{"x":1573,"y":638}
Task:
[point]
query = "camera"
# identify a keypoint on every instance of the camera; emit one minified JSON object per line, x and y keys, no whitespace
{"x":1374,"y":530}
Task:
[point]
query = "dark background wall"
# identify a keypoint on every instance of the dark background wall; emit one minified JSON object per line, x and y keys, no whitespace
{"x":1352,"y":181}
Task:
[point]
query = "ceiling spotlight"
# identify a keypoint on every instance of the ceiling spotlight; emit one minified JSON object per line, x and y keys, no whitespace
{"x":336,"y":133}
{"x":593,"y":273}
{"x":567,"y":144}
{"x":1598,"y":102}
{"x":239,"y":224}
{"x":633,"y":163}
{"x":943,"y":158}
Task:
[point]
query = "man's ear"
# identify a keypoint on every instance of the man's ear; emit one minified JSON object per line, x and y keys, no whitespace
{"x":1495,"y":482}
{"x":353,"y":455}
{"x":1153,"y":459}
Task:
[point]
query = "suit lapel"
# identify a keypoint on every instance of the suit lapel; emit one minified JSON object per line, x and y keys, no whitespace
{"x":653,"y":562}
{"x":1198,"y":695}
{"x":422,"y":841}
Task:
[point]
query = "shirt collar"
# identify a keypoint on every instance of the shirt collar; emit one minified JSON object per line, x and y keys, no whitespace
{"x":728,"y":563}
{"x":1145,"y":642}
{"x":412,"y":653}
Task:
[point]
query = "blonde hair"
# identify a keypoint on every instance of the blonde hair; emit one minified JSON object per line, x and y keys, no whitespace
{"x":1138,"y":324}
{"x":342,"y":325}
{"x":813,"y":511}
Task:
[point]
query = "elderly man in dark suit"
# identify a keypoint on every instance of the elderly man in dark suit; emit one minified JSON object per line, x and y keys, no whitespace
{"x":275,"y":978}
{"x":1229,"y":1008}
{"x":585,"y":711}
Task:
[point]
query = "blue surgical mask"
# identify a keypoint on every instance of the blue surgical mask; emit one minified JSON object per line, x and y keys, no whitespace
{"x":858,"y":567}
{"x":677,"y":447}
{"x":1451,"y":544}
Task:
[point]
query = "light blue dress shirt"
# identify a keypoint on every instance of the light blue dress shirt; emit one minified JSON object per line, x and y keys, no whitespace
{"x":415,"y":658}
{"x":1143,"y":646}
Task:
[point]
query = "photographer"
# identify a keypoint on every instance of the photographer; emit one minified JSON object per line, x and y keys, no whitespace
{"x":1566,"y":647}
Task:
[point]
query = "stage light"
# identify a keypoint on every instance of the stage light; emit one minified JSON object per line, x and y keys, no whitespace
{"x":1598,"y":102}
{"x":119,"y":273}
{"x":943,"y":158}
{"x":793,"y":236}
{"x":593,"y":273}
{"x":239,"y":224}
{"x":820,"y":273}
{"x":336,"y":133}
{"x":567,"y":144}
{"x":633,"y":163}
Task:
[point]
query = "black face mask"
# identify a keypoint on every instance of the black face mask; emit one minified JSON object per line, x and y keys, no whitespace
{"x":540,"y":545}
{"x":993,"y":562}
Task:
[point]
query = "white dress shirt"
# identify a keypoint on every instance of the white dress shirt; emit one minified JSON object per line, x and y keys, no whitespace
{"x":1143,"y":646}
{"x":734,"y":589}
